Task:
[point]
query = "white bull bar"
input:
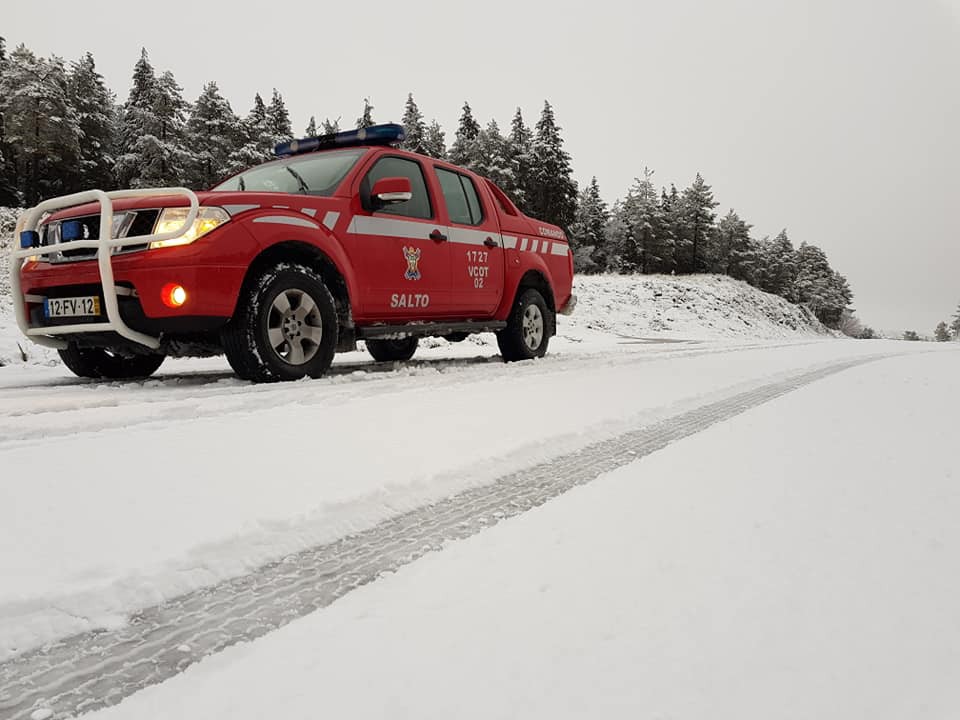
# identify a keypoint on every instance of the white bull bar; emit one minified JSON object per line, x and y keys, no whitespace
{"x":30,"y":220}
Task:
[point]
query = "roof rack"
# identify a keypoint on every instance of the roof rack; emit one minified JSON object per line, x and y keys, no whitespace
{"x":387,"y":134}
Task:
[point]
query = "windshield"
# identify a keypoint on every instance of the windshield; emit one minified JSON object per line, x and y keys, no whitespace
{"x":314,"y":174}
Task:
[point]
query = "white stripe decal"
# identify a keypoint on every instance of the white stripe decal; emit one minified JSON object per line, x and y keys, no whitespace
{"x":413,"y":230}
{"x":330,"y":219}
{"x":523,"y":244}
{"x":545,"y":247}
{"x":312,"y":212}
{"x":286,"y":220}
{"x":365,"y":225}
{"x":559,"y":249}
{"x":237,"y":209}
{"x":534,"y":244}
{"x":509,"y":242}
{"x":466,"y":236}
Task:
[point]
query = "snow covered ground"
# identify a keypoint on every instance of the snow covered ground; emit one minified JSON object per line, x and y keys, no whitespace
{"x":797,"y":561}
{"x":776,"y":564}
{"x":117,"y":496}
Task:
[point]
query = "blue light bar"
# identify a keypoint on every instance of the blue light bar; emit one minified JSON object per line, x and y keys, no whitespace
{"x":387,"y":134}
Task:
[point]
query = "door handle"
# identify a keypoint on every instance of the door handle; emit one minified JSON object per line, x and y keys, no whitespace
{"x":490,"y":242}
{"x":437,"y":236}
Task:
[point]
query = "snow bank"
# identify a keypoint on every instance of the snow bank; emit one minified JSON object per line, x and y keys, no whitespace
{"x":9,"y":333}
{"x":8,"y":220}
{"x":687,"y":307}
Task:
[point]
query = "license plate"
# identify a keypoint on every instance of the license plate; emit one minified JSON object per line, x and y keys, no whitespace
{"x":71,"y":307}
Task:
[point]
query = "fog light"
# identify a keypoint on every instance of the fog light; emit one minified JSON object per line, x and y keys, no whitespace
{"x":173,"y":295}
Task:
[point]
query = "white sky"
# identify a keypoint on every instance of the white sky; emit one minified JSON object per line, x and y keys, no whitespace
{"x":837,"y":119}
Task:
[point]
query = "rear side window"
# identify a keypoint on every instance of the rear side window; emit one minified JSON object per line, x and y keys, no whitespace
{"x":463,"y":204}
{"x":419,"y":205}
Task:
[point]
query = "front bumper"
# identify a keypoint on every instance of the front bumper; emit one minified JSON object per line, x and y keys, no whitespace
{"x":211,"y":289}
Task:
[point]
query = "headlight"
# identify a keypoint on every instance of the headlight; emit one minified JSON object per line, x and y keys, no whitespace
{"x":172,"y":219}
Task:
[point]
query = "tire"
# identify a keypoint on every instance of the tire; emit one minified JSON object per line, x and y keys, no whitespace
{"x":103,"y":364}
{"x":285,"y":326}
{"x":528,"y":329}
{"x":393,"y":350}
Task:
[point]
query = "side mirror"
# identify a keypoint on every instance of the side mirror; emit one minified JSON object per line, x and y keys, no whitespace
{"x":390,"y":190}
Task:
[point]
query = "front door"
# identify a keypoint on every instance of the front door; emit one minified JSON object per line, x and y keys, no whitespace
{"x":402,"y":250}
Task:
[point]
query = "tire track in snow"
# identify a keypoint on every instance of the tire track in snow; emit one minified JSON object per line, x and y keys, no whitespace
{"x":100,"y":668}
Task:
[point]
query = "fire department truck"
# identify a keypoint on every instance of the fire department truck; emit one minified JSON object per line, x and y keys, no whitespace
{"x":343,"y":238}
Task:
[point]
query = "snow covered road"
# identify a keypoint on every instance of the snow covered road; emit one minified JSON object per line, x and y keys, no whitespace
{"x":796,"y":561}
{"x":119,"y":496}
{"x":182,"y":493}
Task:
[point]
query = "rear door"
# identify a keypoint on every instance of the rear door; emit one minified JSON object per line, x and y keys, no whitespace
{"x":476,"y":245}
{"x":401,"y":249}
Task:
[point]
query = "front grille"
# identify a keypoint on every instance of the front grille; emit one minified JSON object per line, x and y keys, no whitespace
{"x":128,"y":223}
{"x":143,"y":224}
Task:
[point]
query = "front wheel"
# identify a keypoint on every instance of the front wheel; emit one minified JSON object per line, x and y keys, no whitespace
{"x":285,"y":326}
{"x":103,"y":364}
{"x":527,"y":333}
{"x":393,"y":350}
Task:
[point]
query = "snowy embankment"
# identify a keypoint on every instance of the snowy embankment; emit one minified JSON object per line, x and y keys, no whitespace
{"x":9,"y":334}
{"x":11,"y":341}
{"x":685,"y":307}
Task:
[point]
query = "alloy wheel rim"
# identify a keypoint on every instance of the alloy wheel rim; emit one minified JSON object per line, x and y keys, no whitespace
{"x":532,"y":327}
{"x":294,"y":327}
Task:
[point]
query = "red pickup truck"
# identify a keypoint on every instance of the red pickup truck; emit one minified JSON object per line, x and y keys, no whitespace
{"x":343,"y":238}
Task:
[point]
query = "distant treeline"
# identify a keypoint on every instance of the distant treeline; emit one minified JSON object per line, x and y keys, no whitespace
{"x":944,"y":332}
{"x":62,"y":130}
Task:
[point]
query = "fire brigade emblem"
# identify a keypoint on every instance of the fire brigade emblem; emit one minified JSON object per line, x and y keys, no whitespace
{"x":412,"y":256}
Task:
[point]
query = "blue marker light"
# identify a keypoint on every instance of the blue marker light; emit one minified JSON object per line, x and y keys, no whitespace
{"x":71,"y":230}
{"x":29,"y":239}
{"x":387,"y":134}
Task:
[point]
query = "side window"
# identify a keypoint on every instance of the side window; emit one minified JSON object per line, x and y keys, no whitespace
{"x":419,"y":205}
{"x":476,"y":211}
{"x":463,"y":205}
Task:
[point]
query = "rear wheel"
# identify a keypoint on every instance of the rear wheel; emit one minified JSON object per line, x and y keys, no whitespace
{"x":285,"y":326}
{"x":528,"y":329}
{"x":393,"y":350}
{"x":100,"y":363}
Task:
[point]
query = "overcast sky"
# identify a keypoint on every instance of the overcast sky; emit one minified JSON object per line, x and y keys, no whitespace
{"x":837,"y":119}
